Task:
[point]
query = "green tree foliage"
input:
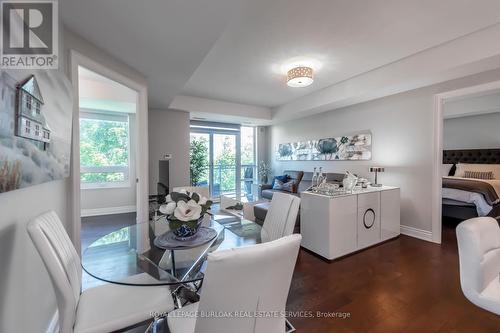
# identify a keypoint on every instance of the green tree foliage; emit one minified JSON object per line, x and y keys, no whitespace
{"x":103,"y":143}
{"x":225,"y":164}
{"x":224,"y":168}
{"x":198,"y":156}
{"x":247,"y":146}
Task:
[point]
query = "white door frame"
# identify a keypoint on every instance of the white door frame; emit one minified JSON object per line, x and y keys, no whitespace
{"x":76,"y":59}
{"x":439,"y":100}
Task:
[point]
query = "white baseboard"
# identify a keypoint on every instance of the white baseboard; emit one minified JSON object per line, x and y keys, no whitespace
{"x":107,"y":211}
{"x":416,"y":233}
{"x":54,"y":324}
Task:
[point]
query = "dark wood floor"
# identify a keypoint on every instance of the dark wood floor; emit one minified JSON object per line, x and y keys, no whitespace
{"x":95,"y":227}
{"x":404,"y":285}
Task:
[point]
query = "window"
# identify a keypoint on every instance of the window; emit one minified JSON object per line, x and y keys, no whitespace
{"x":104,"y":150}
{"x":37,"y":107}
{"x":223,"y":156}
{"x":27,"y":128}
{"x":28,"y":101}
{"x":37,"y":130}
{"x":248,"y":164}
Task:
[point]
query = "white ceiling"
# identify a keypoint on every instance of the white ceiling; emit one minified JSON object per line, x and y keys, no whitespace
{"x":165,"y":40}
{"x":348,"y":37}
{"x":233,"y":50}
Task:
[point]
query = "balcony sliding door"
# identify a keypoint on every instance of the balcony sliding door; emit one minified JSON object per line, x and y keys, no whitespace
{"x":225,"y":166}
{"x":223,"y":157}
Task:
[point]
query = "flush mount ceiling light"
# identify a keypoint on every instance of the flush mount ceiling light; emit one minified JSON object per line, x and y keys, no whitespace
{"x":300,"y":76}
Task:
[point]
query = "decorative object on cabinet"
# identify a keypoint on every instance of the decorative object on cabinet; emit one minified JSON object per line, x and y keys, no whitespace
{"x":352,"y":147}
{"x":349,"y":181}
{"x":376,"y":170}
{"x":35,"y":128}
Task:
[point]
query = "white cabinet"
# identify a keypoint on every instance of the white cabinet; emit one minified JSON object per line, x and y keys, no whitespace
{"x":326,"y":238}
{"x":333,"y":226}
{"x":390,"y":213}
{"x":368,"y":226}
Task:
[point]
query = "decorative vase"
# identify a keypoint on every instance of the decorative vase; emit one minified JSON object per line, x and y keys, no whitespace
{"x":349,"y":181}
{"x":184,"y":230}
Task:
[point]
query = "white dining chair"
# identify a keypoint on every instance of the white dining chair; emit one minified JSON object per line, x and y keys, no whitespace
{"x":102,"y":309}
{"x":281,"y":217}
{"x":201,"y":190}
{"x":246,"y":280}
{"x":479,"y":252}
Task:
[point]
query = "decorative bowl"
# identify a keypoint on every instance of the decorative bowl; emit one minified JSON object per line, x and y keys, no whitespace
{"x":184,"y":230}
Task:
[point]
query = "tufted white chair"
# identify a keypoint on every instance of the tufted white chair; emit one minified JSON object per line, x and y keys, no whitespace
{"x":102,"y":309}
{"x":281,"y":217}
{"x":479,"y":252}
{"x":201,"y":190}
{"x":247,"y":279}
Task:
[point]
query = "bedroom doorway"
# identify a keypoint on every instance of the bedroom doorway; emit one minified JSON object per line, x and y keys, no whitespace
{"x":467,"y":151}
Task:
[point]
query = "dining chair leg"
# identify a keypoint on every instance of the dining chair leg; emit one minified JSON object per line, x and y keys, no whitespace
{"x":289,"y":328}
{"x":153,"y":326}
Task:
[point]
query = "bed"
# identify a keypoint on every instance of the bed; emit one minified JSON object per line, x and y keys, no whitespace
{"x":464,"y":198}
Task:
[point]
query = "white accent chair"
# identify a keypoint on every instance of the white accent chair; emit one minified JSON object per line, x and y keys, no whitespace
{"x":105,"y":308}
{"x":281,"y":217}
{"x":248,"y":279}
{"x":201,"y":190}
{"x":479,"y":252}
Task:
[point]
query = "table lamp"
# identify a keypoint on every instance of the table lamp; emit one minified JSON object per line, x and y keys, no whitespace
{"x":376,"y":170}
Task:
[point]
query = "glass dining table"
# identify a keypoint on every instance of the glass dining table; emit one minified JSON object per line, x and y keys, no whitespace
{"x":123,"y":255}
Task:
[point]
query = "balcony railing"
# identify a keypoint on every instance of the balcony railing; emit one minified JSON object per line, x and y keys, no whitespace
{"x":224,"y":179}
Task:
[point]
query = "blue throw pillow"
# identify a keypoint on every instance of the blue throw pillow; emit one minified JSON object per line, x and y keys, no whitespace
{"x":282,"y":179}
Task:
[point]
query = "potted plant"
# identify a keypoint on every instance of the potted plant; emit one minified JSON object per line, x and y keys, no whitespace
{"x":185,"y":212}
{"x":264,"y":171}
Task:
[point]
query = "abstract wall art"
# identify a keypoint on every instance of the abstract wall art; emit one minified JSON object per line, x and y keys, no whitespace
{"x":342,"y":148}
{"x":35,"y":128}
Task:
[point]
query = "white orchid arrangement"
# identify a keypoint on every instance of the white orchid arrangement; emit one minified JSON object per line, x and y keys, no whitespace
{"x":185,"y":206}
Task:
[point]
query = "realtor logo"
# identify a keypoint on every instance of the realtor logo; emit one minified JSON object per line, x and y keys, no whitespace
{"x":29,"y":36}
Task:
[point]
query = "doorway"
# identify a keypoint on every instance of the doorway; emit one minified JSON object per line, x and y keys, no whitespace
{"x":107,"y":131}
{"x":109,"y":172}
{"x":455,"y":107}
{"x":223,"y":158}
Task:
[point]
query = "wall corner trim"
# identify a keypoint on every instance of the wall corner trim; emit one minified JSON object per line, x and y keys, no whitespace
{"x":417,"y":233}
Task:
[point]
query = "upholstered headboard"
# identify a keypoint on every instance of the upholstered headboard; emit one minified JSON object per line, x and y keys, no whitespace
{"x":476,"y":156}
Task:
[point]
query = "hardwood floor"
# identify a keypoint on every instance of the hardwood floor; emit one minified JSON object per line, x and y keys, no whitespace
{"x":404,"y":285}
{"x":94,"y":227}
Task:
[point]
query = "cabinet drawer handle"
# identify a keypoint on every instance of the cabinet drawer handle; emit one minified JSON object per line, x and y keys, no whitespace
{"x":364,"y":218}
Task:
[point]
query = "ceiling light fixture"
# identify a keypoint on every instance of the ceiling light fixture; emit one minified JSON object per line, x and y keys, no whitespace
{"x":301,"y":76}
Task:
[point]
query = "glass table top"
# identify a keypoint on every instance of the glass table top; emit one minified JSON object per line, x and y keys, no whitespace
{"x":128,"y":256}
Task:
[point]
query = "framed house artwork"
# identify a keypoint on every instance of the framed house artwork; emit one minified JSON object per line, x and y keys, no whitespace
{"x":35,"y":128}
{"x":31,"y":124}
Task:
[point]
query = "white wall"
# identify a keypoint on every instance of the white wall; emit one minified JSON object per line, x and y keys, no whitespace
{"x":473,"y":132}
{"x":262,"y":141}
{"x":112,"y":200}
{"x":27,"y":300}
{"x":169,"y":133}
{"x":402,"y":127}
{"x":74,"y":42}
